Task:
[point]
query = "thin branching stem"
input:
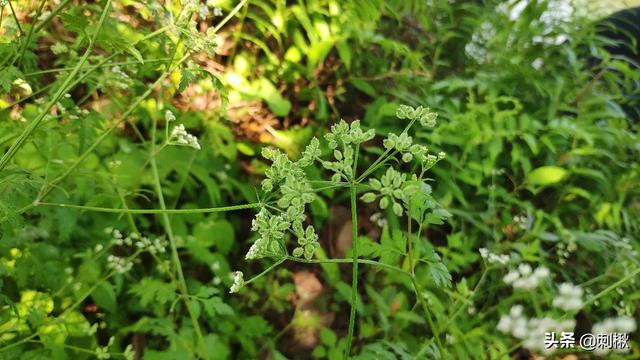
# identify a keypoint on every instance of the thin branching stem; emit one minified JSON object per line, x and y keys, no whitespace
{"x":154,"y":211}
{"x":354,"y":268}
{"x":182,"y":284}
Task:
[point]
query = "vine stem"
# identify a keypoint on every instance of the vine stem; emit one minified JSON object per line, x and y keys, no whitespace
{"x":267,"y":270}
{"x":354,"y":267}
{"x":414,"y":282}
{"x":153,"y":211}
{"x":343,"y":261}
{"x":182,"y":284}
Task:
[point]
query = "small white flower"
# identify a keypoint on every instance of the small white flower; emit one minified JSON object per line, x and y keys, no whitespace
{"x":541,"y":272}
{"x":494,"y":258}
{"x":569,"y":297}
{"x":525,"y":277}
{"x":626,"y":324}
{"x":168,"y":116}
{"x":511,"y":277}
{"x":118,"y":264}
{"x":215,"y":266}
{"x":180,"y":136}
{"x":525,"y":269}
{"x":238,"y":282}
{"x":217,"y":11}
{"x":516,"y":311}
{"x":505,"y":324}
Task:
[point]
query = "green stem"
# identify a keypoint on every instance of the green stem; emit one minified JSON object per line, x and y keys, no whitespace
{"x":345,"y":261}
{"x":182,"y":284}
{"x":18,"y":343}
{"x":117,"y":63}
{"x":382,"y":158}
{"x":52,"y":15}
{"x":457,"y":312}
{"x":153,"y":211}
{"x":231,"y":14}
{"x":23,"y":49}
{"x":354,"y":272}
{"x":613,"y":286}
{"x":418,"y":290}
{"x":13,"y":12}
{"x":266,"y":271}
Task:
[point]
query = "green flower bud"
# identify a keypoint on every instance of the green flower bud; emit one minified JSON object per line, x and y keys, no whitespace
{"x":384,"y":202}
{"x":297,"y":252}
{"x":368,"y":197}
{"x":397,"y":209}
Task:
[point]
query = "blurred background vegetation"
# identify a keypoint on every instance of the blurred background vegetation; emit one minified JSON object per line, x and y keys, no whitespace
{"x":539,"y":122}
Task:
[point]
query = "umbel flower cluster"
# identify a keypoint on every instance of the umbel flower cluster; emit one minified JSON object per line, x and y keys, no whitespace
{"x":532,"y":331}
{"x":179,"y":135}
{"x":288,"y":190}
{"x":134,"y":241}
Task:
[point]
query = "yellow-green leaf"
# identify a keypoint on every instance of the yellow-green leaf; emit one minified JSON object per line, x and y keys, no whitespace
{"x":546,"y":175}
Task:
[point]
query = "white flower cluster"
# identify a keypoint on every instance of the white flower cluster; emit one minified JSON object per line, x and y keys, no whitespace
{"x":494,"y":258}
{"x":531,"y":331}
{"x":156,"y":246}
{"x":522,"y":222}
{"x":379,"y":219}
{"x":525,"y":278}
{"x":569,"y":297}
{"x":203,"y":9}
{"x":118,"y":264}
{"x":238,"y":282}
{"x":180,"y":136}
{"x":121,"y":80}
{"x":622,"y":324}
{"x":169,"y":116}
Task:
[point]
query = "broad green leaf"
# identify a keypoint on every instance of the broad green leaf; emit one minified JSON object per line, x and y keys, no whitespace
{"x":546,"y":175}
{"x":105,"y":296}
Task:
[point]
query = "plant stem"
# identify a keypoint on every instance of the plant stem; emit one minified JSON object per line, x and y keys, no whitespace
{"x":125,"y":210}
{"x":117,"y":63}
{"x":425,"y":308}
{"x":182,"y":284}
{"x":267,"y":270}
{"x":613,"y":286}
{"x":13,"y":12}
{"x":354,"y":273}
{"x":31,"y":31}
{"x":457,"y":312}
{"x":344,"y":261}
{"x":52,"y":15}
{"x":231,"y":14}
